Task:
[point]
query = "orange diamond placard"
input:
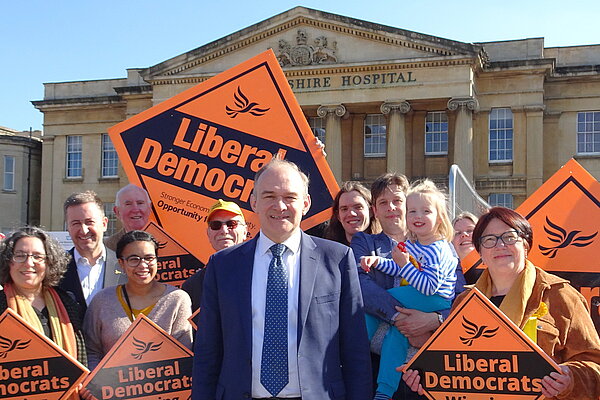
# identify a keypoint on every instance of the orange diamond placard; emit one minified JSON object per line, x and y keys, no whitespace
{"x":175,"y":263}
{"x":146,"y":363}
{"x":32,"y":366}
{"x":479,"y":354}
{"x":564,"y":213}
{"x":207,"y":143}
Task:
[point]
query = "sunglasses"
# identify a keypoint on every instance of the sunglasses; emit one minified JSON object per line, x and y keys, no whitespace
{"x":231,"y":224}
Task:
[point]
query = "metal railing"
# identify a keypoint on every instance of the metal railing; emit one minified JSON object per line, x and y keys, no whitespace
{"x":462,"y":196}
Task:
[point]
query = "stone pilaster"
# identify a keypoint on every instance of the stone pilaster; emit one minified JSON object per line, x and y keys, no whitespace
{"x":463,"y":133}
{"x":48,"y":172}
{"x":535,"y":147}
{"x":333,"y":136}
{"x":396,"y":134}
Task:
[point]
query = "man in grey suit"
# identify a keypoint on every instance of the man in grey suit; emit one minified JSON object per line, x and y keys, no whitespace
{"x":282,"y":314}
{"x":92,"y":266}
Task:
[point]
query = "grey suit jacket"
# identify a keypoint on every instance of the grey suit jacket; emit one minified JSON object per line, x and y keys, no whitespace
{"x":113,"y":276}
{"x":333,"y":348}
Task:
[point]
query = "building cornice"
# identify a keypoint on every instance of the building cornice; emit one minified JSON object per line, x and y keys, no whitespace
{"x":317,"y":19}
{"x":133,"y":90}
{"x":77,"y":102}
{"x":294,"y":72}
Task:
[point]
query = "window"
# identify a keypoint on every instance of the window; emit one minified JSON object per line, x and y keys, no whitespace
{"x":74,"y":167}
{"x":9,"y":173}
{"x":436,"y":133}
{"x":588,"y":132}
{"x":501,"y":135}
{"x":375,"y":135}
{"x":109,"y":212}
{"x":317,"y":125}
{"x":110,"y":161}
{"x":501,"y":199}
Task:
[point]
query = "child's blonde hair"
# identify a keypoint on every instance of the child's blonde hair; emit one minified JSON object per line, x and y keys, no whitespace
{"x":427,"y":187}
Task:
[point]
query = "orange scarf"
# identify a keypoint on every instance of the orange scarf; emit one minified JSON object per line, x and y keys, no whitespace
{"x":60,"y":323}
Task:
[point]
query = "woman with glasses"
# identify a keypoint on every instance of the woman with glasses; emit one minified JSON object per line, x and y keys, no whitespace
{"x":31,"y":265}
{"x":462,"y":241}
{"x":113,"y":309}
{"x":544,"y":306}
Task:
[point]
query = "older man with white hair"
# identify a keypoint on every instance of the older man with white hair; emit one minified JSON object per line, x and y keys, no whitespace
{"x":132,"y":208}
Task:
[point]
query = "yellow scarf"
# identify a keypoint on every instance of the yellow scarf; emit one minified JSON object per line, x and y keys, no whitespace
{"x":60,"y":324}
{"x":62,"y":330}
{"x":515,"y":301}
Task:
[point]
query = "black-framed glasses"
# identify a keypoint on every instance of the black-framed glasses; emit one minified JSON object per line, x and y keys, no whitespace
{"x":231,"y":224}
{"x":22,"y":257}
{"x":508,"y":238}
{"x":134,"y":261}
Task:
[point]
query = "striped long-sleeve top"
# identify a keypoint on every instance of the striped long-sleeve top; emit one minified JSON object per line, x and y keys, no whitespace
{"x":438,"y":268}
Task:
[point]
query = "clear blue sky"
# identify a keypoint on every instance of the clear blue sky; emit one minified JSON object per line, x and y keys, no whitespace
{"x":69,"y":40}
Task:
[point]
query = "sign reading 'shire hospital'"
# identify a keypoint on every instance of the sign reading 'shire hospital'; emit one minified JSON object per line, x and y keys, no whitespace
{"x":479,"y":354}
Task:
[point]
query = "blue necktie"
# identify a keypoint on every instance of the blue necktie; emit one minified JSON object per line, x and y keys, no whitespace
{"x":274,"y":366}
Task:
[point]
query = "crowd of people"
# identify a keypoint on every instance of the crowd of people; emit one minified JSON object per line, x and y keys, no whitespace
{"x":286,"y":315}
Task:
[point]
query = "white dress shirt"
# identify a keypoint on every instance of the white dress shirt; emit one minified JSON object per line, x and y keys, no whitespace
{"x":260,"y":273}
{"x":90,"y":276}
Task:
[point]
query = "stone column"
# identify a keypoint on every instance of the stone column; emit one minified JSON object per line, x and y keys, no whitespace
{"x":463,"y":133}
{"x":535,"y":147}
{"x":396,"y":134}
{"x":48,"y":171}
{"x":333,"y":136}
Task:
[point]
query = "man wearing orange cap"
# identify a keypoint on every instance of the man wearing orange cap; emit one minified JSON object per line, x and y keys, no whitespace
{"x":226,"y":228}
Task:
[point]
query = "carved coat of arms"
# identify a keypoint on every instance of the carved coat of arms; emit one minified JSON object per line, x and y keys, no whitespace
{"x":305,"y":54}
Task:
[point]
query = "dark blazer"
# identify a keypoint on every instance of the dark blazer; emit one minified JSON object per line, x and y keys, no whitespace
{"x":193,"y":287}
{"x":333,"y":349}
{"x":375,"y":283}
{"x":113,"y":276}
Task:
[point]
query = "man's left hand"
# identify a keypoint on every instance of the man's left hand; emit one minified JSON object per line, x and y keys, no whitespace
{"x":412,"y":323}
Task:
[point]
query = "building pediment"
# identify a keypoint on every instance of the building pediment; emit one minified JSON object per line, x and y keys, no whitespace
{"x":307,"y":38}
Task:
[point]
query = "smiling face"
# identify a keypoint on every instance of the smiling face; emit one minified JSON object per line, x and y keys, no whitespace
{"x":503,"y":258}
{"x":280,"y":200}
{"x":389,"y":209}
{"x":133,"y":208}
{"x":353,"y":213}
{"x":86,"y":225}
{"x":422,"y":218}
{"x":28,"y":275}
{"x":144,"y":272}
{"x":463,"y":237}
{"x":225,"y":236}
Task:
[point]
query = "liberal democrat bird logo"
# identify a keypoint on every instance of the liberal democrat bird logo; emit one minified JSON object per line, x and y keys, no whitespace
{"x":476,"y":332}
{"x":7,"y":345}
{"x":244,"y":106}
{"x":143,"y":347}
{"x":563,"y":239}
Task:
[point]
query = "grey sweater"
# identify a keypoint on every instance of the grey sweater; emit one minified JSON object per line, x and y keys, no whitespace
{"x":105,"y":320}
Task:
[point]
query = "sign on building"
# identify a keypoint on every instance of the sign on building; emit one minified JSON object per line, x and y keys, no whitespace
{"x":208,"y":142}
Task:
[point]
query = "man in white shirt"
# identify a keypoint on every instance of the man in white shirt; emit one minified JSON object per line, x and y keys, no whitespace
{"x":92,"y":266}
{"x":132,"y":208}
{"x":282,"y":314}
